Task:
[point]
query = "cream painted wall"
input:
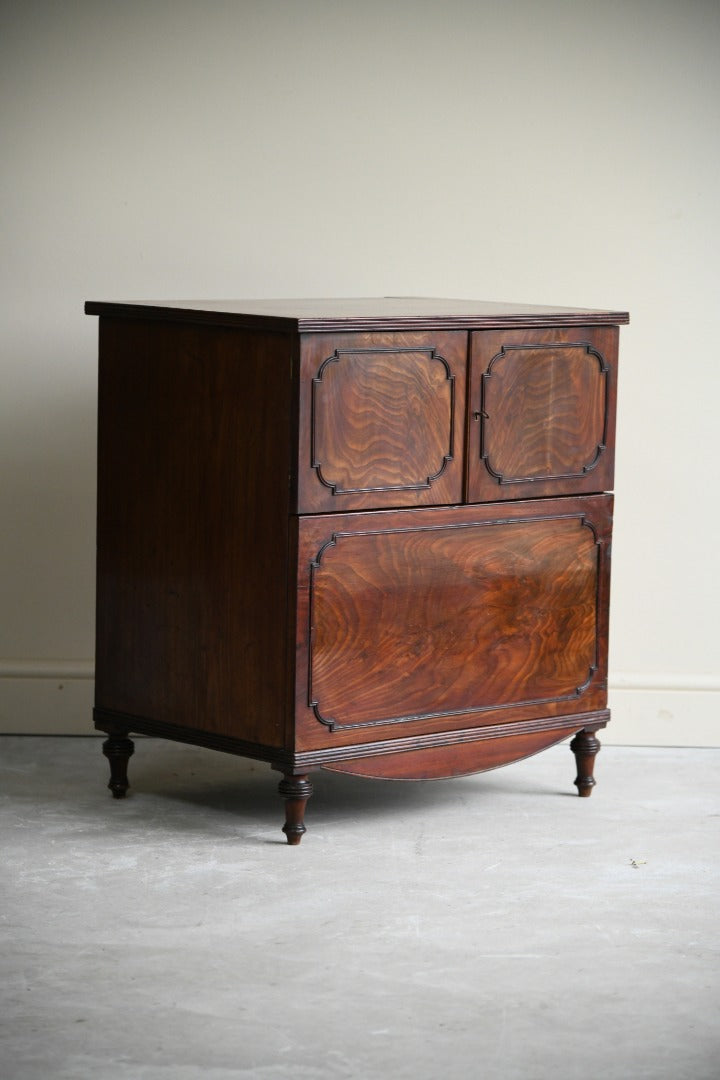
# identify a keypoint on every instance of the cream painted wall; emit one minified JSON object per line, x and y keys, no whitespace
{"x":548,"y":151}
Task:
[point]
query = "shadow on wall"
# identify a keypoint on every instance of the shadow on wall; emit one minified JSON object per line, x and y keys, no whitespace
{"x":48,"y":538}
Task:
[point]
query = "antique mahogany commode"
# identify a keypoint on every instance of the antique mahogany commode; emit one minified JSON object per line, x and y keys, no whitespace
{"x":371,"y":536}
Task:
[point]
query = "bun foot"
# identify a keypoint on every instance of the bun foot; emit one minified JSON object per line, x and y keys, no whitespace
{"x":585,"y":746}
{"x":295,"y":790}
{"x":118,"y":749}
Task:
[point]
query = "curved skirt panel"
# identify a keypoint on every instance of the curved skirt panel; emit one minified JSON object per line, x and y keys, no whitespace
{"x":438,"y":763}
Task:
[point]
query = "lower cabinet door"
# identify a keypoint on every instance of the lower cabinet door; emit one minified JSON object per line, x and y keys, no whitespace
{"x":413,"y":622}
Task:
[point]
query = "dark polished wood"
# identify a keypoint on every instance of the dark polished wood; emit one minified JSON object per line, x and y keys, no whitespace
{"x":302,"y":761}
{"x":460,"y":759}
{"x":382,"y":420}
{"x":542,"y":412}
{"x":427,"y":620}
{"x":585,"y":746}
{"x":193,"y":526}
{"x":118,"y":749}
{"x":357,"y":535}
{"x":358,"y":314}
{"x":295,"y":790}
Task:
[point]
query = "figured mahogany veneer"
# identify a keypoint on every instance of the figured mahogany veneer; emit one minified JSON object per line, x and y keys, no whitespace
{"x":450,"y":616}
{"x":367,"y":536}
{"x":384,"y":414}
{"x":546,"y":412}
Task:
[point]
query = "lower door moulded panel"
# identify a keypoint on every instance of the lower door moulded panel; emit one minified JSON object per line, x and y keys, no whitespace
{"x":418,"y":621}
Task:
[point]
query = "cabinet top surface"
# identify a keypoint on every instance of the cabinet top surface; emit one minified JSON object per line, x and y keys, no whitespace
{"x":381,"y":313}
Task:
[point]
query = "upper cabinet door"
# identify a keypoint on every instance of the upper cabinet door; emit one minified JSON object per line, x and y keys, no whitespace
{"x":541,"y":413}
{"x":382,"y":418}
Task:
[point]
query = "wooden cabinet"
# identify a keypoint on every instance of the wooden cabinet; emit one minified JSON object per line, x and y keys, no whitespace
{"x":366,"y":536}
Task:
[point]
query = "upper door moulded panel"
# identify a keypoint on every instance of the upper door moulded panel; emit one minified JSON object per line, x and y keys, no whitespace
{"x":382,"y":420}
{"x":541,"y":412}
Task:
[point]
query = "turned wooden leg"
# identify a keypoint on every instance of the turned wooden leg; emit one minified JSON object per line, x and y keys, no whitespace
{"x":118,"y":749}
{"x":295,"y":790}
{"x":585,"y":747}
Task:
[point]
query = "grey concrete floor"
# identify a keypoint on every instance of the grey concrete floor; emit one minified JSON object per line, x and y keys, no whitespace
{"x":494,"y":926}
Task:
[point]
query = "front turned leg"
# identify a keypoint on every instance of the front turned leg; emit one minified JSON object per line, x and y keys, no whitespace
{"x":118,"y":749}
{"x":585,"y":746}
{"x":295,"y":790}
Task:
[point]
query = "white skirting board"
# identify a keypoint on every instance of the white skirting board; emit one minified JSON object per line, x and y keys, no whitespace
{"x":665,"y":715}
{"x":55,"y":697}
{"x":46,"y":697}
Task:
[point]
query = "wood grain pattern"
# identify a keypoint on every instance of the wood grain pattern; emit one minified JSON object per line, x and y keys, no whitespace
{"x":382,"y":420}
{"x":431,"y":616}
{"x":193,"y":527}
{"x":438,"y":763}
{"x":406,"y":624}
{"x":542,"y":412}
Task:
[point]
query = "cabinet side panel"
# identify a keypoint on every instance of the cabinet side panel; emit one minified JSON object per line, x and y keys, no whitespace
{"x":193,"y":498}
